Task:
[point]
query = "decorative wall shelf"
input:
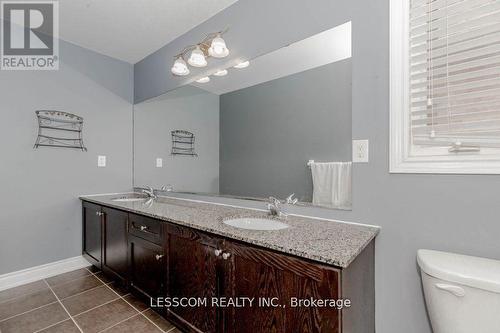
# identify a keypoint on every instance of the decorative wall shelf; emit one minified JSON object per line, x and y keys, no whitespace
{"x":183,"y":143}
{"x":59,"y":129}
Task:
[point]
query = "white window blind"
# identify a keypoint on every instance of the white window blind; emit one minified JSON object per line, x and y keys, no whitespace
{"x":454,"y":96}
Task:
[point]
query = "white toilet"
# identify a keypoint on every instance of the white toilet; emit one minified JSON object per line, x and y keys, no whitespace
{"x":462,"y":292}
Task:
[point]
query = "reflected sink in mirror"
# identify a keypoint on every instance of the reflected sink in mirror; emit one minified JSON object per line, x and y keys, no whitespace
{"x":256,"y":224}
{"x":130,"y":198}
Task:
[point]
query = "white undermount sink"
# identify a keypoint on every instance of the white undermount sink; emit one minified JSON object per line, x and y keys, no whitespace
{"x":251,"y":223}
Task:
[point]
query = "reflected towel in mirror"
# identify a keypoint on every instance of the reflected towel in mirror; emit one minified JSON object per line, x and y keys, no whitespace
{"x":332,"y":184}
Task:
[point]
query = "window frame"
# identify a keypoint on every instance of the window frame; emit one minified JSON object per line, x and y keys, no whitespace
{"x":403,"y":157}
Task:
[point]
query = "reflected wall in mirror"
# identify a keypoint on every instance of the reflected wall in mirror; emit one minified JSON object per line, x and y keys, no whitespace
{"x":256,"y":128}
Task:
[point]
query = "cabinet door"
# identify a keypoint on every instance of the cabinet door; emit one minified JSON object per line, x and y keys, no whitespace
{"x":92,"y":230}
{"x":115,"y":254}
{"x":146,"y":267}
{"x":193,"y":271}
{"x":258,"y":273}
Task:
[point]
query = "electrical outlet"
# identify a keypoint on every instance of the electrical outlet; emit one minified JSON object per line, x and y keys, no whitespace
{"x":101,"y":161}
{"x":360,"y":151}
{"x":159,"y":162}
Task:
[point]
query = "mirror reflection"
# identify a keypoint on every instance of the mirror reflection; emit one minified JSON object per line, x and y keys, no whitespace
{"x":278,"y":125}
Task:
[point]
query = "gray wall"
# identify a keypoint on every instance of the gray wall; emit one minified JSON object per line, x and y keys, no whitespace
{"x":187,"y":108}
{"x":40,"y":215}
{"x":270,"y":131}
{"x":457,"y":213}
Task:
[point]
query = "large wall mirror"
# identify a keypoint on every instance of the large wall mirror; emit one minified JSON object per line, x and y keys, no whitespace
{"x":253,"y":132}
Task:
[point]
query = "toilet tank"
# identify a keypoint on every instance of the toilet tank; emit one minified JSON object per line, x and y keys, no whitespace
{"x":462,"y":293}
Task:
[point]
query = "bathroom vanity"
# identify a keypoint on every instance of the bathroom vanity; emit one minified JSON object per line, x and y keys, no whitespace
{"x":170,"y":248}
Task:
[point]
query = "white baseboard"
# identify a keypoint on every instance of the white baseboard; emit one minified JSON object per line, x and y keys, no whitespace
{"x":36,"y":273}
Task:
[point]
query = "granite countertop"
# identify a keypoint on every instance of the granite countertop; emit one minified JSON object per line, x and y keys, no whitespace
{"x":330,"y":242}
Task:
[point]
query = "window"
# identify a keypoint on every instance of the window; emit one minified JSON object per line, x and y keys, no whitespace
{"x":445,"y":86}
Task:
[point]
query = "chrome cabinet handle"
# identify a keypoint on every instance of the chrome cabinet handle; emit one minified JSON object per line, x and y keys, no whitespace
{"x":142,"y":228}
{"x":226,"y":255}
{"x":159,"y":256}
{"x":218,"y":252}
{"x":98,"y":213}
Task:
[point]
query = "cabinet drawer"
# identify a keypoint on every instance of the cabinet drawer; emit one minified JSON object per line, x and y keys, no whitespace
{"x":145,"y":228}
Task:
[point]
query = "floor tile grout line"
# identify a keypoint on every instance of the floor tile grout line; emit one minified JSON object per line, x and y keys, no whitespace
{"x":122,"y":297}
{"x":72,"y":280}
{"x":41,"y":280}
{"x":62,"y":321}
{"x":71,"y":317}
{"x":95,"y":307}
{"x":61,"y":299}
{"x":25,"y":312}
{"x":118,"y":323}
{"x":152,"y":322}
{"x":14,"y":298}
{"x":74,"y":321}
{"x":83,"y":292}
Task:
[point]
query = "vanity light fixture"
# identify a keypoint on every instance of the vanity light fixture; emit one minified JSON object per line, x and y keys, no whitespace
{"x":218,"y":48}
{"x":243,"y":64}
{"x":197,"y":58}
{"x":222,"y":72}
{"x":213,"y":45}
{"x":203,"y":80}
{"x":180,"y":67}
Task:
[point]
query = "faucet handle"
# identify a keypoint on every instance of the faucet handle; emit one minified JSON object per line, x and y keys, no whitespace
{"x":147,"y":189}
{"x":291,"y":200}
{"x":168,"y":188}
{"x":274,"y":201}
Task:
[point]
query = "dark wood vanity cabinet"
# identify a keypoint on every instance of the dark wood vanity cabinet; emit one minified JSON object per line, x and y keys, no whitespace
{"x":92,"y":232}
{"x":146,"y":256}
{"x":115,"y":239}
{"x":105,"y":239}
{"x":160,"y":259}
{"x":194,"y":271}
{"x":146,"y":265}
{"x":207,"y":267}
{"x":277,"y":279}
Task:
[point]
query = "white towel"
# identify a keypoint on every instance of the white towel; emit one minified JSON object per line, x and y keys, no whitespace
{"x":332,"y":184}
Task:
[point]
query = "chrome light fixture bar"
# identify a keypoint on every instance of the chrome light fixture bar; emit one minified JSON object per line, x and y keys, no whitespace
{"x":213,"y":45}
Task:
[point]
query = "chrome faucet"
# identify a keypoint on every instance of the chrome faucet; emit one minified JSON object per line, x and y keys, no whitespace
{"x":168,"y":188}
{"x":274,"y":207}
{"x":291,"y":200}
{"x":150,"y":192}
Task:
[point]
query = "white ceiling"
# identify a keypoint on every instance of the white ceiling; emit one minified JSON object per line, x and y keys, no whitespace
{"x":321,"y":49}
{"x":130,"y":30}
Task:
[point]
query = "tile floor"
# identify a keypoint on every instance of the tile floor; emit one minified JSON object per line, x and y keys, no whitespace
{"x":79,"y":301}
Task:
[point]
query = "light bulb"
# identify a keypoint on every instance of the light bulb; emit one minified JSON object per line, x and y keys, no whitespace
{"x":203,"y":80}
{"x":218,"y":48}
{"x":221,"y":72}
{"x":243,"y":64}
{"x":197,"y":58}
{"x":180,"y":67}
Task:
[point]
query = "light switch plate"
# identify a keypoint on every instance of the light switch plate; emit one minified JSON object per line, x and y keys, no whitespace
{"x":101,"y":161}
{"x":159,"y":162}
{"x":360,"y":150}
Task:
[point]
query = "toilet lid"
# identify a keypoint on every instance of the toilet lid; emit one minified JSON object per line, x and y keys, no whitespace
{"x":475,"y":272}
